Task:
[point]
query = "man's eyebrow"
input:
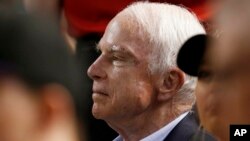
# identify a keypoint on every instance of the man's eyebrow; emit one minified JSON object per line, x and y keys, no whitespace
{"x":97,"y":47}
{"x":116,"y":48}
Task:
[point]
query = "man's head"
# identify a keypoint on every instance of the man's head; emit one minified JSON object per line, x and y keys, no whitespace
{"x":223,"y":76}
{"x":37,"y":77}
{"x":136,"y":74}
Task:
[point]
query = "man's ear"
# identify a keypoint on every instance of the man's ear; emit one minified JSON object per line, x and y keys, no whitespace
{"x":56,"y":104}
{"x":170,"y":83}
{"x":57,"y":117}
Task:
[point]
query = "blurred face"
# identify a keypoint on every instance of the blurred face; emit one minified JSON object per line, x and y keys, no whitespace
{"x":223,"y":91}
{"x":122,"y":86}
{"x":17,"y":110}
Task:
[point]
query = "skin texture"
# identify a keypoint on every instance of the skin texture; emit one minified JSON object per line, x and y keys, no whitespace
{"x":223,"y":91}
{"x":114,"y":84}
{"x":125,"y":94}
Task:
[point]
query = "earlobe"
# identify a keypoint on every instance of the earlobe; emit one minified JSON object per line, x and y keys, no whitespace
{"x":55,"y":102}
{"x":57,"y":113}
{"x":177,"y":77}
{"x":170,"y":84}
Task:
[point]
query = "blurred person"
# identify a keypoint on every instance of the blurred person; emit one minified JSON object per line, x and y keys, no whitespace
{"x":138,"y":89}
{"x":221,"y":64}
{"x":39,"y":80}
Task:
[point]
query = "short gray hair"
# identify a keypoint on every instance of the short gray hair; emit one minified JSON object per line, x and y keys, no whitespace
{"x":166,"y":27}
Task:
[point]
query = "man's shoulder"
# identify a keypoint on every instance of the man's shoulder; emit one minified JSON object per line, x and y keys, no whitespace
{"x":188,"y":130}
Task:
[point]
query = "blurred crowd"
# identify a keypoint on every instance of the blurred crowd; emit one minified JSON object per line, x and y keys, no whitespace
{"x":150,"y":70}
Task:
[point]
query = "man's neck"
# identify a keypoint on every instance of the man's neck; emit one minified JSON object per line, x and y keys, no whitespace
{"x":142,"y":125}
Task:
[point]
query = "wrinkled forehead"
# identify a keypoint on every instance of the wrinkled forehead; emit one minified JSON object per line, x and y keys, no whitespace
{"x":124,"y":30}
{"x":127,"y":25}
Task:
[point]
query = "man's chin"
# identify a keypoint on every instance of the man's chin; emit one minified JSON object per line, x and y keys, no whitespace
{"x":96,"y":115}
{"x":97,"y":112}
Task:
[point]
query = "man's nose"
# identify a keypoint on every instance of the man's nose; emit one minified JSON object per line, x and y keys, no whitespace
{"x":96,"y":70}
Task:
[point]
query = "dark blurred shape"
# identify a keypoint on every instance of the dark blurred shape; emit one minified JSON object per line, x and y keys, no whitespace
{"x":190,"y":55}
{"x":40,"y":56}
{"x":36,"y":49}
{"x":33,"y":50}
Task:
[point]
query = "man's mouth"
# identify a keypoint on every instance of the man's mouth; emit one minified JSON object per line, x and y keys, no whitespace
{"x":99,"y":92}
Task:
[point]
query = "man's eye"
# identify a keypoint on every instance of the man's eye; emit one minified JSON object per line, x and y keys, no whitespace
{"x":117,"y":61}
{"x":204,"y":75}
{"x":121,"y":60}
{"x":225,"y":75}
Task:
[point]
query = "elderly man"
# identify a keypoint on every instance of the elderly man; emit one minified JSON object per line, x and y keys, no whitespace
{"x":223,"y":70}
{"x":137,"y":88}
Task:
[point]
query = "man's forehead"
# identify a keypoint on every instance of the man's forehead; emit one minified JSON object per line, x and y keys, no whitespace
{"x":124,"y":25}
{"x":120,"y":35}
{"x":112,"y":31}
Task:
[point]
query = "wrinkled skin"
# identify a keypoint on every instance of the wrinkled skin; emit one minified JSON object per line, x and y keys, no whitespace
{"x":122,"y":86}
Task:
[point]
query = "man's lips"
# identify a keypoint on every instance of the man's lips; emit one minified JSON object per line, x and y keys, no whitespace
{"x":99,"y":89}
{"x":99,"y":92}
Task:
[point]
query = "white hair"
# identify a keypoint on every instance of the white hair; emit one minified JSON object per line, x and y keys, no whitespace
{"x":166,"y":27}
